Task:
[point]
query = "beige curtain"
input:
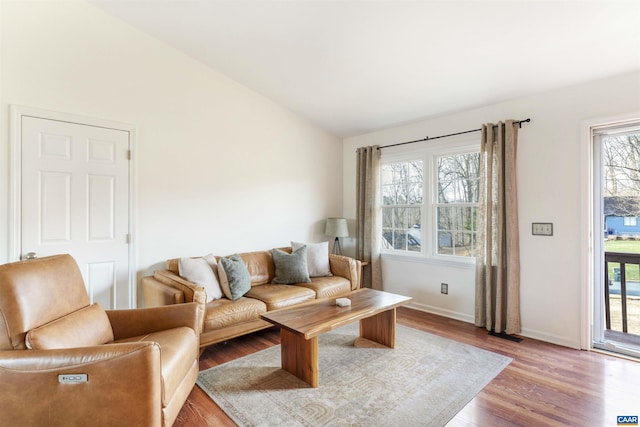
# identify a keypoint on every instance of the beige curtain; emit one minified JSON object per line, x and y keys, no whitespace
{"x":368,"y":215}
{"x":498,"y":255}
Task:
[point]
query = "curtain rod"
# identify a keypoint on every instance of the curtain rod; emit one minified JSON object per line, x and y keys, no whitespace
{"x":518,"y":122}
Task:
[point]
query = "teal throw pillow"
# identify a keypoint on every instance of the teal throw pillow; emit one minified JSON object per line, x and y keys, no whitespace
{"x":235,"y":279}
{"x":291,"y":268}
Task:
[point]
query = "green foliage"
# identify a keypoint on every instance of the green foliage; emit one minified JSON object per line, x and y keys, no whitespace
{"x":626,"y":246}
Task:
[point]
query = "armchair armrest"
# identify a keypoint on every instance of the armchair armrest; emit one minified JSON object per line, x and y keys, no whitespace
{"x":123,"y":378}
{"x":141,"y":321}
{"x":346,"y":267}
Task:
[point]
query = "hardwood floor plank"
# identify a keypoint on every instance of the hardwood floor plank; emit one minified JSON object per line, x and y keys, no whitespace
{"x":545,"y":384}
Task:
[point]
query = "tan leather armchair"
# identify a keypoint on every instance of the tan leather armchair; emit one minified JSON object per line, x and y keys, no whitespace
{"x":64,"y":361}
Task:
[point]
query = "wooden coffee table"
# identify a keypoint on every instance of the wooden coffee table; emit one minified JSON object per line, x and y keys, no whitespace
{"x":301,"y":325}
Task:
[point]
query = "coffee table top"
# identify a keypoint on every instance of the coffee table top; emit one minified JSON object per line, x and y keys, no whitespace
{"x":324,"y":315}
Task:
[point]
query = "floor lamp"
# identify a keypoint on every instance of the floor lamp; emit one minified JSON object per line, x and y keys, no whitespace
{"x":336,"y":227}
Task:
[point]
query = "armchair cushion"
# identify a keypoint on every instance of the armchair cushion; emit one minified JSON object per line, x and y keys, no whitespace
{"x":86,"y":327}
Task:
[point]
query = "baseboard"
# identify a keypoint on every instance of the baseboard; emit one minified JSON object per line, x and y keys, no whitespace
{"x":528,"y":333}
{"x":550,"y":338}
{"x":441,"y":312}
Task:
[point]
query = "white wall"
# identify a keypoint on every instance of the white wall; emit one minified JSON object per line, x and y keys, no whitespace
{"x":553,"y":187}
{"x":219,"y":168}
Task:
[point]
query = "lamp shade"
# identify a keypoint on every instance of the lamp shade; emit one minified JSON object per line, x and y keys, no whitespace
{"x":336,"y":227}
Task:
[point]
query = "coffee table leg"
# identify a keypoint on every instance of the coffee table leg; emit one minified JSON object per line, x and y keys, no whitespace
{"x":380,"y":328}
{"x":300,"y":356}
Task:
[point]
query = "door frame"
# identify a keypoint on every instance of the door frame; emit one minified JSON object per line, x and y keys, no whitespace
{"x":591,"y":247}
{"x":17,"y":112}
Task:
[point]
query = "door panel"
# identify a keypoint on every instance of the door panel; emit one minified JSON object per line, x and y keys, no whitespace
{"x":101,"y":207}
{"x":54,"y":207}
{"x":75,"y":199}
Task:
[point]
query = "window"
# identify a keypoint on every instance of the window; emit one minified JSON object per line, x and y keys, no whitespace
{"x":456,"y":205}
{"x":430,"y":202}
{"x":402,"y":199}
{"x":629,"y":221}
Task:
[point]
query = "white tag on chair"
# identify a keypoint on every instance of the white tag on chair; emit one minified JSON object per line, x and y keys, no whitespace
{"x":73,"y":378}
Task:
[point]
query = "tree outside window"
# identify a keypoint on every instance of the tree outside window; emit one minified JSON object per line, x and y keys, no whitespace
{"x":457,"y":204}
{"x":621,"y":190}
{"x":402,"y":204}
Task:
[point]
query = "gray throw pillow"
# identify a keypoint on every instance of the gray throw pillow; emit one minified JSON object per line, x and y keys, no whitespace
{"x":235,"y":279}
{"x":291,"y":268}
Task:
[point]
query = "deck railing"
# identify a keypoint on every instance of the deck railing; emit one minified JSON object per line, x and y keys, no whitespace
{"x":623,"y":259}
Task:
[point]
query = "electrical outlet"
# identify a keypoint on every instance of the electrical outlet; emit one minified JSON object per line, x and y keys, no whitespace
{"x":444,"y":288}
{"x":542,"y":228}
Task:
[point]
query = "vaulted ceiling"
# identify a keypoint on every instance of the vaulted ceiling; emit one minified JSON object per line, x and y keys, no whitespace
{"x":357,"y":66}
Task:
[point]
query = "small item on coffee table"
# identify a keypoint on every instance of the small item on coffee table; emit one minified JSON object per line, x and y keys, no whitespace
{"x":343,"y":302}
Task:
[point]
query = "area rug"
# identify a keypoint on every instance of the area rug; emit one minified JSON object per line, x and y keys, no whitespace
{"x":424,"y":381}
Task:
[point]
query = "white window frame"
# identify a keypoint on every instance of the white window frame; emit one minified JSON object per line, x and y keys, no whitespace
{"x":630,"y":221}
{"x":429,"y":153}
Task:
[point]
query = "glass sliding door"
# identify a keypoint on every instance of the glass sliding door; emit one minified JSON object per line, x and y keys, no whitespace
{"x":616,"y":213}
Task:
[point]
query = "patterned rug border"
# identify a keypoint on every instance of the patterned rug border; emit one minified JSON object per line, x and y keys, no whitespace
{"x":275,"y":385}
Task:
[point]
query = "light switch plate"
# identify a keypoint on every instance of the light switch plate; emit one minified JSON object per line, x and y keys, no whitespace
{"x":542,"y":228}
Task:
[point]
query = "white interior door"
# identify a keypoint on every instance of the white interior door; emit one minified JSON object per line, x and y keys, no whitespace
{"x":75,"y":199}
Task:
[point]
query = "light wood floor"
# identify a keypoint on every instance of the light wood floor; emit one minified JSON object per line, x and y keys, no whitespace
{"x":544,"y":385}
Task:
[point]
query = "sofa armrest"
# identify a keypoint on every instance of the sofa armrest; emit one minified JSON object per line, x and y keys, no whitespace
{"x":142,"y":321}
{"x":157,"y":294}
{"x":192,"y":292}
{"x":123,"y":378}
{"x":346,"y":267}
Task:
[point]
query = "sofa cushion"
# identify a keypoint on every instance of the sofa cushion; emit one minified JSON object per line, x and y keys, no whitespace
{"x":317,"y":258}
{"x":86,"y":327}
{"x":235,"y":279}
{"x":290,"y":267}
{"x":260,"y":266}
{"x":279,"y":296}
{"x":203,"y":272}
{"x":224,"y":312}
{"x":327,"y":287}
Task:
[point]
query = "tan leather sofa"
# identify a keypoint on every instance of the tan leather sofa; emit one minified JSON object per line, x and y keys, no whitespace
{"x":224,"y":319}
{"x":64,"y":361}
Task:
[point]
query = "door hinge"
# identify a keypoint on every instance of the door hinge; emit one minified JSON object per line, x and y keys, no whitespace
{"x":128,"y":154}
{"x":128,"y":238}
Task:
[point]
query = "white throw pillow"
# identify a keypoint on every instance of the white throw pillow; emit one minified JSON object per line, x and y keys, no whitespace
{"x":201,"y":272}
{"x":317,"y":258}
